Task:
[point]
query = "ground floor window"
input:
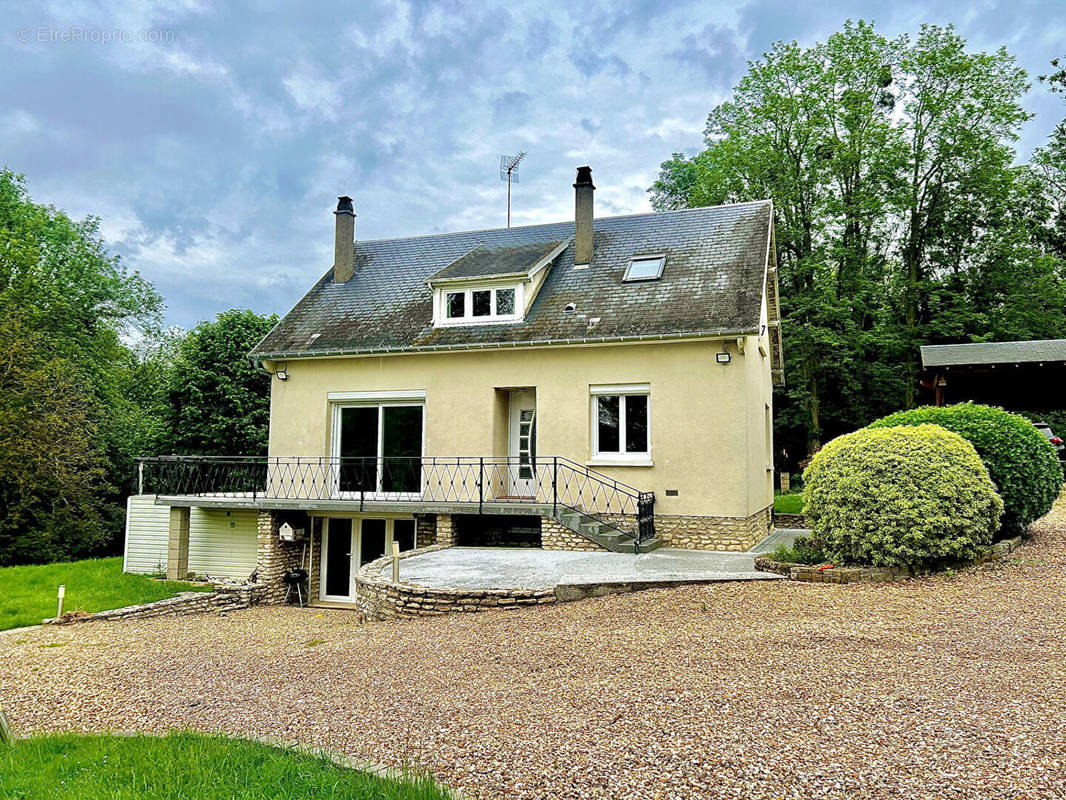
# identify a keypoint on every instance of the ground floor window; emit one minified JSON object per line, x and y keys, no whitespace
{"x":349,"y":543}
{"x":620,"y":422}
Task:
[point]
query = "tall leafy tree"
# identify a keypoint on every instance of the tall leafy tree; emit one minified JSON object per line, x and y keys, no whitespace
{"x":961,"y":112}
{"x":217,"y":401}
{"x":53,"y":474}
{"x":900,"y":215}
{"x":76,"y":306}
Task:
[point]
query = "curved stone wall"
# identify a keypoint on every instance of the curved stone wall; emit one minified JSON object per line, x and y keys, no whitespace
{"x":379,"y":598}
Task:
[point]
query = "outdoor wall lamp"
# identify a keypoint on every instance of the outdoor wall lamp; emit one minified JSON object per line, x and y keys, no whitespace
{"x":723,"y":357}
{"x":282,"y":372}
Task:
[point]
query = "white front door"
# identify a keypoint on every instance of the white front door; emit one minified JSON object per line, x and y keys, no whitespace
{"x":522,"y":447}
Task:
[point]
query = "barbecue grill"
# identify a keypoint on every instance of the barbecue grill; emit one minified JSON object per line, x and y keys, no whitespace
{"x":294,"y":581}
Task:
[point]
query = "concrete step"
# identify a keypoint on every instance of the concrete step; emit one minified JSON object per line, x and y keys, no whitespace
{"x":648,"y":545}
{"x":600,"y":533}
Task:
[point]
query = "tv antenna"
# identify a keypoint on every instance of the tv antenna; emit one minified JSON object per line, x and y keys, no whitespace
{"x":509,"y":173}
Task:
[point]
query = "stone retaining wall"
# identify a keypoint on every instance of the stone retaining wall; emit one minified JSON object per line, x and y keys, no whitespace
{"x":815,"y":574}
{"x":790,"y":521}
{"x":378,"y":598}
{"x":225,"y":596}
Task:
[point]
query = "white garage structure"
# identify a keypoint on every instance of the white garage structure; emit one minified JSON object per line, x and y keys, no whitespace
{"x":222,"y":541}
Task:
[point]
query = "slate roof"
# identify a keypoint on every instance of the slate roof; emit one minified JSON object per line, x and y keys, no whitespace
{"x":712,"y":285}
{"x":952,"y":355}
{"x":483,"y":262}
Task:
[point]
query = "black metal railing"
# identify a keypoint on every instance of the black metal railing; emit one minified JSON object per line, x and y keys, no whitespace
{"x":472,"y":481}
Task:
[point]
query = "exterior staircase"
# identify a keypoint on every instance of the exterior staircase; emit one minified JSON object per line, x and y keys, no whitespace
{"x":603,"y":534}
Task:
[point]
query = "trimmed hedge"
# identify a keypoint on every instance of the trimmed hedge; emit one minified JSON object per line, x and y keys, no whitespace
{"x":1020,"y":460}
{"x":900,"y":497}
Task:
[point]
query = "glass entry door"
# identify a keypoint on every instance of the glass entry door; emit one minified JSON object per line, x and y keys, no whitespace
{"x":337,"y":541}
{"x":378,"y":449}
{"x":350,"y":543}
{"x":522,"y":446}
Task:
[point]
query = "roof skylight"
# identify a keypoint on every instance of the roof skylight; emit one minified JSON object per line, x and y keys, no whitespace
{"x":645,"y":268}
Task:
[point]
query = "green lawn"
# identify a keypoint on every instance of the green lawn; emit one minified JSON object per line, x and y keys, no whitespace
{"x":185,"y":766}
{"x":97,"y":584}
{"x":789,"y":503}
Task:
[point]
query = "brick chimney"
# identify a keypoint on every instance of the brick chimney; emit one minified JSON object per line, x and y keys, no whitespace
{"x":344,"y":243}
{"x":583,"y":190}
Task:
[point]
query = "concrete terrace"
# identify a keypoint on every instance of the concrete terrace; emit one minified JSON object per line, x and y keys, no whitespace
{"x":529,"y":568}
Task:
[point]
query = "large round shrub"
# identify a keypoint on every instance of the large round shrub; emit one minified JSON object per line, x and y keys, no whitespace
{"x":1020,"y":459}
{"x":903,"y":497}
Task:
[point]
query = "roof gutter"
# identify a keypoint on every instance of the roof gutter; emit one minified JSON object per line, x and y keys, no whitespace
{"x":437,"y":348}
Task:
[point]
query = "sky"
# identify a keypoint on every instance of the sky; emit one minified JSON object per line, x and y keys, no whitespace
{"x":212,"y":139}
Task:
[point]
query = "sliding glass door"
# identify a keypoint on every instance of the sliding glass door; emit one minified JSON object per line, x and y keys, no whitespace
{"x":378,"y":448}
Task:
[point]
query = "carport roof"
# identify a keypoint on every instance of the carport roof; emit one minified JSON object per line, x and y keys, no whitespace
{"x":951,"y":355}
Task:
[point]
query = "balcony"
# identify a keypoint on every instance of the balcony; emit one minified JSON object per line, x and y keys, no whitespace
{"x":547,"y":486}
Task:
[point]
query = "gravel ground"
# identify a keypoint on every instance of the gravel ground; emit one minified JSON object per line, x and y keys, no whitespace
{"x":945,"y":687}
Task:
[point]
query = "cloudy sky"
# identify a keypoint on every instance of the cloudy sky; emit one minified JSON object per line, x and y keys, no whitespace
{"x":214,"y":149}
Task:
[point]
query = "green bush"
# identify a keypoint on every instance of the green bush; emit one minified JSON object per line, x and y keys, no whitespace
{"x":803,"y":551}
{"x":902,"y":497}
{"x":1021,"y":461}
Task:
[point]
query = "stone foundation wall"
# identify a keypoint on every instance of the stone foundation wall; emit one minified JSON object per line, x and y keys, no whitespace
{"x":556,"y":536}
{"x":225,"y":596}
{"x":713,"y":533}
{"x":274,"y":558}
{"x":378,"y":598}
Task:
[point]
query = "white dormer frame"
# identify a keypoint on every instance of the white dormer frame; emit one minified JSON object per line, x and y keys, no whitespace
{"x":467,"y":288}
{"x":525,"y":285}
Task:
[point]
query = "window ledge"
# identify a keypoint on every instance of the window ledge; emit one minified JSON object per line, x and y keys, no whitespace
{"x":619,"y":462}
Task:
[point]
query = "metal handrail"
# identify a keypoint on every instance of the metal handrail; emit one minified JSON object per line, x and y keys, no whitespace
{"x":456,"y":480}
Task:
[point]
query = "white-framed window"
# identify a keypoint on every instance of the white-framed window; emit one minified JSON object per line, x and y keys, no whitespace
{"x":644,"y":268}
{"x":378,"y":443}
{"x":478,"y":305}
{"x":621,"y":422}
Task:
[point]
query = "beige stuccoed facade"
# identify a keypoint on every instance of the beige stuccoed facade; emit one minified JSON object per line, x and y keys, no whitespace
{"x":709,"y":422}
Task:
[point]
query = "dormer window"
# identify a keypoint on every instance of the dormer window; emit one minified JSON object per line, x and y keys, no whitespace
{"x":487,"y":285}
{"x":644,"y":268}
{"x":480,"y":305}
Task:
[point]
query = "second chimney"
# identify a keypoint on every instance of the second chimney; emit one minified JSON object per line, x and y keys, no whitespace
{"x":344,"y":244}
{"x":583,"y":190}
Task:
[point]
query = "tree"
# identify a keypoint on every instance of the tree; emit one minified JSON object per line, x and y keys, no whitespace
{"x":218,"y":402}
{"x":900,"y":217}
{"x":1049,"y":164}
{"x":53,"y":485}
{"x":961,"y":112}
{"x":78,"y":306}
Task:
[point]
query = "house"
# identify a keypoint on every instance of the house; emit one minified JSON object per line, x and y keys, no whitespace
{"x":596,"y":384}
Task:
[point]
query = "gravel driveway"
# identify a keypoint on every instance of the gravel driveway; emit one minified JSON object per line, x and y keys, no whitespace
{"x":947,"y":687}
